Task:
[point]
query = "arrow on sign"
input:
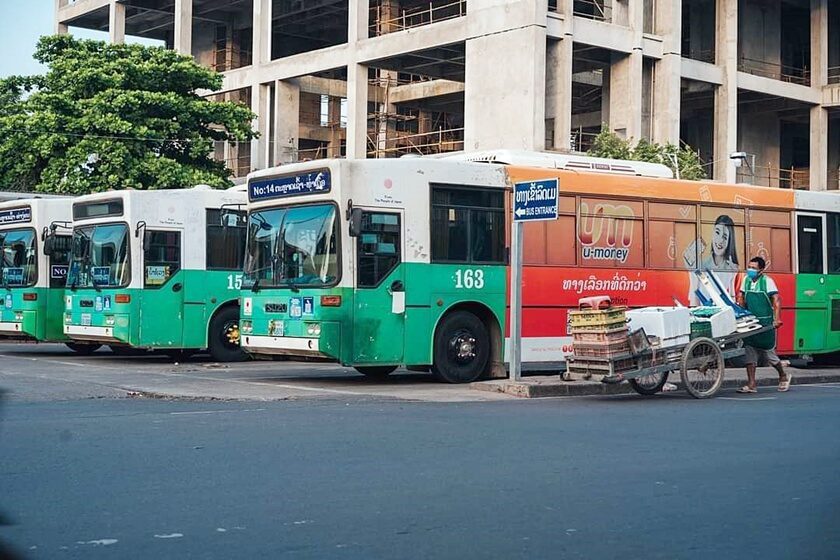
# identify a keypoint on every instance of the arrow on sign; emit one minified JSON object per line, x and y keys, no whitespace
{"x":520,"y":212}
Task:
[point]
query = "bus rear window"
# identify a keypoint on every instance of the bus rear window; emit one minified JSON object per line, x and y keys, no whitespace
{"x":98,"y":209}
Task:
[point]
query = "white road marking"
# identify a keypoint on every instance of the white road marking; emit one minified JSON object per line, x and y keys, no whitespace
{"x":745,"y":399}
{"x":170,"y":536}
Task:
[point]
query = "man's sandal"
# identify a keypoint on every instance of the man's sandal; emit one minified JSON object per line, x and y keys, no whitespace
{"x":748,"y":389}
{"x":784,"y":386}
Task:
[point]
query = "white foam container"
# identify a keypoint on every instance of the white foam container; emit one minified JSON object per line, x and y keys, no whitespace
{"x":671,"y":324}
{"x":723,"y":323}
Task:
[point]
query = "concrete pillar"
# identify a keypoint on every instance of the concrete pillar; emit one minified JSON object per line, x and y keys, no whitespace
{"x":819,"y":149}
{"x":261,"y":52}
{"x":357,"y":90}
{"x":626,"y":74}
{"x":386,"y":126}
{"x":558,"y":90}
{"x":726,"y":95}
{"x":504,"y":104}
{"x":60,"y":26}
{"x":819,"y":43}
{"x":666,"y":73}
{"x":116,"y":23}
{"x":357,"y":20}
{"x":261,"y":105}
{"x":336,"y":132}
{"x":183,"y":26}
{"x":625,"y":117}
{"x":286,"y":121}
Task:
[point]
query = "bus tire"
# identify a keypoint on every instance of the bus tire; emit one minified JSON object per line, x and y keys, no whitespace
{"x":461,"y":348}
{"x":376,"y":372}
{"x":223,"y":328}
{"x":83,"y":349}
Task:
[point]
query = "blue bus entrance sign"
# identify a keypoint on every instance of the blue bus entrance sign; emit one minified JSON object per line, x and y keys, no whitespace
{"x":535,"y":200}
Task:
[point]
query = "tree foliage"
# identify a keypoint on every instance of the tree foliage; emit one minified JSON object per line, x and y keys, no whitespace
{"x":679,"y":158}
{"x":114,"y":117}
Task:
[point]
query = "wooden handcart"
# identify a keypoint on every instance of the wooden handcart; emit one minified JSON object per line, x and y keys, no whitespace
{"x":701,"y":363}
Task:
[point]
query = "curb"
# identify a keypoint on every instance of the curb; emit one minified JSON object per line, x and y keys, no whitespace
{"x":554,"y":386}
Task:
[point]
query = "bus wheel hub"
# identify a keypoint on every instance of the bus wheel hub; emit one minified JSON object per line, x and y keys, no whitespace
{"x":462,"y":347}
{"x":232,"y":334}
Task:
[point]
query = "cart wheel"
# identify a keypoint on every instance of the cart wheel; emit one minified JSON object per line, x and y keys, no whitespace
{"x":701,"y":368}
{"x":649,"y":384}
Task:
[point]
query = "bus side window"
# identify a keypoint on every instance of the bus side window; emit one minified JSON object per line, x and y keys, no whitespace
{"x":162,"y":254}
{"x":833,"y":227}
{"x":468,"y":224}
{"x":378,"y":247}
{"x":225,"y":244}
{"x":59,"y":261}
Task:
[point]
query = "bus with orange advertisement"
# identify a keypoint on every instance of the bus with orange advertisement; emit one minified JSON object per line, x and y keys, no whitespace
{"x":406,"y":263}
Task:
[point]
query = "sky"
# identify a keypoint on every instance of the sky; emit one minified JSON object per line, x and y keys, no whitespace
{"x":22,"y":22}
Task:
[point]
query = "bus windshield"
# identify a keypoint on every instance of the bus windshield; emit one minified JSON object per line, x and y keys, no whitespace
{"x":99,"y":257}
{"x":19,"y":263}
{"x":291,"y":247}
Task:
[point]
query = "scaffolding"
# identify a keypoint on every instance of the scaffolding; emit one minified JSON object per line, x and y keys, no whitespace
{"x":769,"y":176}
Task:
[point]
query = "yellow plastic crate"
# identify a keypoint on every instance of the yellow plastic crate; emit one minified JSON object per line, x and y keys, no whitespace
{"x":590,"y":319}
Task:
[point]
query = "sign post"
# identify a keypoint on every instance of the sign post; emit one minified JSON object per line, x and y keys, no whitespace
{"x":532,"y":201}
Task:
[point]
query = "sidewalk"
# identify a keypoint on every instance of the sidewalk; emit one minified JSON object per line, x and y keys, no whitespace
{"x":553,"y":385}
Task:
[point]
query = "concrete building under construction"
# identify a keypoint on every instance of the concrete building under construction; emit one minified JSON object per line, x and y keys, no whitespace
{"x":382,"y":78}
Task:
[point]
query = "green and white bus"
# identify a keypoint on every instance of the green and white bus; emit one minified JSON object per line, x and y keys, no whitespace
{"x":157,"y":270}
{"x":341,"y":264}
{"x":33,"y":270}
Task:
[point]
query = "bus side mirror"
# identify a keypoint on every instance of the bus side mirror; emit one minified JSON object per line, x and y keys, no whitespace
{"x":49,"y":244}
{"x":355,"y":222}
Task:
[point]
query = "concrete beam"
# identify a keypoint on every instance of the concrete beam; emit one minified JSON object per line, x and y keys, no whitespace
{"x":691,"y":69}
{"x":411,"y":40}
{"x":831,"y":96}
{"x":74,"y":11}
{"x":760,"y":84}
{"x":424,"y":90}
{"x":116,"y":23}
{"x":604,"y":35}
{"x":183,"y":26}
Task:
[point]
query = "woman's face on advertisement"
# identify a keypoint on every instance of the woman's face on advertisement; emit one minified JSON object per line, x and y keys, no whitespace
{"x":720,"y":240}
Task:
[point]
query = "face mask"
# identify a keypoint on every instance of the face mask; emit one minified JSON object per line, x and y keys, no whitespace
{"x":752,"y":274}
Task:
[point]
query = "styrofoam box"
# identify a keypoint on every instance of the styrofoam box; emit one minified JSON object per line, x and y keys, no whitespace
{"x":723,"y":323}
{"x":665,"y":322}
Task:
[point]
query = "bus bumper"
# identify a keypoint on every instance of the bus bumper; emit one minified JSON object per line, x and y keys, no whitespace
{"x":79,"y":332}
{"x":11,"y":329}
{"x":283,"y":345}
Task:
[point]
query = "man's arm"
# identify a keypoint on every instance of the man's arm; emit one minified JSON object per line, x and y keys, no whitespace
{"x":777,"y":310}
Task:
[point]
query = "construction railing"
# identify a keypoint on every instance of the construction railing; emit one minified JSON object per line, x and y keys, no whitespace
{"x":435,"y":142}
{"x":701,"y":55}
{"x":768,"y":176}
{"x":230,"y":59}
{"x":582,"y":140}
{"x":834,"y":75}
{"x":775,"y":71}
{"x":598,"y":10}
{"x":383,"y":21}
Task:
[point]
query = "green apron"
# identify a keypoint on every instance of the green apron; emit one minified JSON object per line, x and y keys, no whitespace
{"x":759,"y":304}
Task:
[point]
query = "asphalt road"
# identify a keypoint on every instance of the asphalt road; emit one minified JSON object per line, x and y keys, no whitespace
{"x":349,"y":477}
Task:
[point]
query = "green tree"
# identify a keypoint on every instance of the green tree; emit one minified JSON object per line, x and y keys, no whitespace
{"x":682,"y":160}
{"x":114,"y":117}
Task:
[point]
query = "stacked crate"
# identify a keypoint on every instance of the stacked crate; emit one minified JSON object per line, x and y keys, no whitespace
{"x":600,"y":342}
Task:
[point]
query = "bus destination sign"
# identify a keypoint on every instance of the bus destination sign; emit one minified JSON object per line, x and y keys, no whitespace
{"x":535,"y":200}
{"x":293,"y":185}
{"x":15,"y":215}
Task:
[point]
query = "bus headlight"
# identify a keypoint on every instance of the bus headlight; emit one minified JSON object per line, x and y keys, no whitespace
{"x":18,"y":316}
{"x":246,"y":327}
{"x":68,"y":318}
{"x":313,"y":329}
{"x":109,"y":320}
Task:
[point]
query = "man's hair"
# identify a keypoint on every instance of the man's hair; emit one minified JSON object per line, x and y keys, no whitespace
{"x":759,"y":261}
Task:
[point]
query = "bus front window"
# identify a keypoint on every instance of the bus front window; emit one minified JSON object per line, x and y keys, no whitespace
{"x":19,"y":263}
{"x":99,"y":257}
{"x":292,"y":247}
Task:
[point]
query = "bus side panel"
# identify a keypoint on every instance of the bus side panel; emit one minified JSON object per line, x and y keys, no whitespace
{"x":432,"y":290}
{"x":812,"y":317}
{"x":549,"y":292}
{"x":53,"y":319}
{"x":204,"y":293}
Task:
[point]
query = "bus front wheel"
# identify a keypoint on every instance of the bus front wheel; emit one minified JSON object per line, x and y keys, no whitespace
{"x":223,"y":338}
{"x":83,"y":349}
{"x":461,"y":348}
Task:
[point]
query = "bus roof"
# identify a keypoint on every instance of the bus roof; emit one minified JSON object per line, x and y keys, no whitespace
{"x":551,"y":160}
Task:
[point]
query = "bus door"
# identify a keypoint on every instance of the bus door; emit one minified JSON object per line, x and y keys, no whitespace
{"x":811,"y":289}
{"x":162,"y":296}
{"x":379,"y":299}
{"x":58,"y":263}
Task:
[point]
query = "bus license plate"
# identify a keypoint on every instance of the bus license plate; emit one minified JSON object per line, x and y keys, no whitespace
{"x":86,"y":319}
